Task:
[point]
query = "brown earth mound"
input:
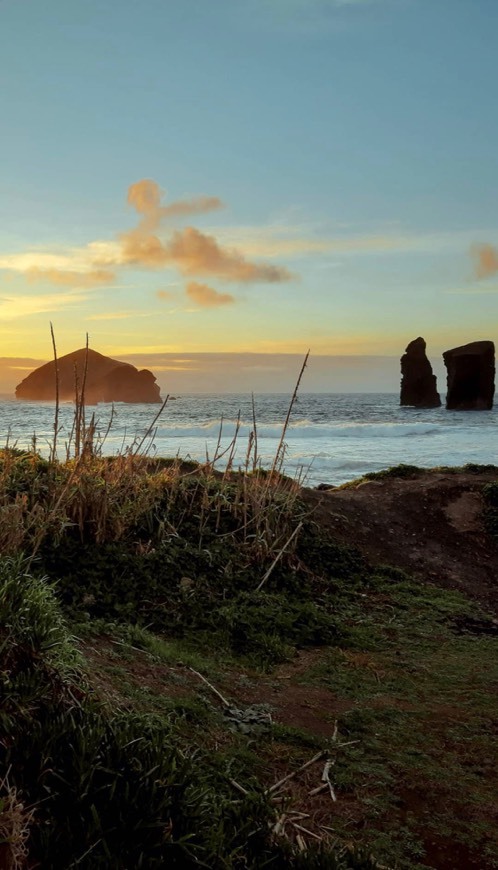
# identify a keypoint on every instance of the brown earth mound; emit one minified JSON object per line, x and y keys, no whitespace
{"x":432,"y":526}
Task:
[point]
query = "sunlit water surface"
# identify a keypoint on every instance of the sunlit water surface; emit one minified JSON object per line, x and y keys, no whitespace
{"x":332,"y":438}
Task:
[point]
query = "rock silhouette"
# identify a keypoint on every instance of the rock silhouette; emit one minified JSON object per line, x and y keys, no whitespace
{"x":107,"y":380}
{"x":418,"y":384}
{"x":470,"y":376}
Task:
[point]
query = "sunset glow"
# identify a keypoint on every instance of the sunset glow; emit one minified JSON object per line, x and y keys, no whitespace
{"x":172,"y":194}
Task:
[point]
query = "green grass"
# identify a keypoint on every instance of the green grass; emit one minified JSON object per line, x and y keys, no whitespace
{"x":128,"y":756}
{"x":412,"y":472}
{"x":118,"y":788}
{"x":423,"y":708}
{"x":415,"y":669}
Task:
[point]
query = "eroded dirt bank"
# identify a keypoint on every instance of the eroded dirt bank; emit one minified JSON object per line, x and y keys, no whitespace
{"x":432,"y":526}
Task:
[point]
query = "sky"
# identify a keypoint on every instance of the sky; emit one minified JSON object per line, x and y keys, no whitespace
{"x":210,"y":189}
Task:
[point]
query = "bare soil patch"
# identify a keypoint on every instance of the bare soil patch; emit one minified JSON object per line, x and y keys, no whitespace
{"x":431,"y":526}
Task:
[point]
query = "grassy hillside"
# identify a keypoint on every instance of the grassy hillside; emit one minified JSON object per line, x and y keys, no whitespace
{"x":195,"y":672}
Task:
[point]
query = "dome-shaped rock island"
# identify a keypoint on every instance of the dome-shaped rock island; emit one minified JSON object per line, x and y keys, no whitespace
{"x":107,"y":380}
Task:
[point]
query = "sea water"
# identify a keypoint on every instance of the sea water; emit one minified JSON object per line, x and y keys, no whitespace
{"x":331,"y":438}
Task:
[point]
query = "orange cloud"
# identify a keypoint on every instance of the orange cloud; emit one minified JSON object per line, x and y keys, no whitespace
{"x":68,"y":278}
{"x":207,"y":297}
{"x":145,"y":197}
{"x":164,"y":294}
{"x":195,"y":253}
{"x":190,"y":250}
{"x":485,"y":260}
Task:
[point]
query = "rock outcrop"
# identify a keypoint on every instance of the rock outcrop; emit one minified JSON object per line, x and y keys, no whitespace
{"x":418,"y":384}
{"x":107,"y":380}
{"x":470,"y":376}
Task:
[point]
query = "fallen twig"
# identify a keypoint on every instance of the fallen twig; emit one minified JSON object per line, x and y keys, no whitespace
{"x":301,"y":843}
{"x":278,"y":827}
{"x":210,"y":685}
{"x":318,"y":789}
{"x":238,"y":786}
{"x":326,"y":778}
{"x":306,"y":831}
{"x":276,"y":786}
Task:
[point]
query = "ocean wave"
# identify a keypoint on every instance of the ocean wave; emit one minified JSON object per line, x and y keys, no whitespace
{"x":302,"y":429}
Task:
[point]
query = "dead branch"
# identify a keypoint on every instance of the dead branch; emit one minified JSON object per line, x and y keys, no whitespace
{"x":210,"y":685}
{"x":306,"y":831}
{"x":238,"y":786}
{"x":276,"y":786}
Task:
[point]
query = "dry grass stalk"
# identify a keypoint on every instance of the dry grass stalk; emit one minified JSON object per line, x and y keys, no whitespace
{"x":255,"y":430}
{"x":279,"y":555}
{"x":150,"y":430}
{"x":103,"y":497}
{"x":15,"y":823}
{"x":53,"y":453}
{"x":279,"y":455}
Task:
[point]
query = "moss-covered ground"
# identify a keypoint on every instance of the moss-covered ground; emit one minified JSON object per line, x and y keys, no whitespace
{"x":174,"y":644}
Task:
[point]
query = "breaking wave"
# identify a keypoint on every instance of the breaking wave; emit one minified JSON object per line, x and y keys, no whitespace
{"x":302,"y":429}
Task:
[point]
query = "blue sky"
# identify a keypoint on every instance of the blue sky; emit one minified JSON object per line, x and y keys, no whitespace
{"x":353,"y":145}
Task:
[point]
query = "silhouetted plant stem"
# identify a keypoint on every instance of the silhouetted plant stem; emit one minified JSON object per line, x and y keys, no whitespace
{"x":277,"y":462}
{"x":53,"y":452}
{"x":151,"y":427}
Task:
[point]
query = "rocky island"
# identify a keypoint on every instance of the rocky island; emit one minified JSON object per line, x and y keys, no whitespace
{"x":107,"y":380}
{"x":418,"y":384}
{"x":471,"y":376}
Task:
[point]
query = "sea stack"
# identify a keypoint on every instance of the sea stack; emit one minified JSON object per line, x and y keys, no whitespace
{"x":470,"y":376}
{"x":107,"y":380}
{"x":418,"y":384}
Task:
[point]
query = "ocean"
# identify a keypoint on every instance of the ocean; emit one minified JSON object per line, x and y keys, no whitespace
{"x":332,"y":438}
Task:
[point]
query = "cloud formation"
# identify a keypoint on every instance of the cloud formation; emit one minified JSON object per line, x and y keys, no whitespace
{"x":69,"y":278}
{"x":145,"y":197}
{"x":22,"y":305}
{"x":120,"y":315}
{"x":207,"y":297}
{"x":485,"y":260}
{"x":195,"y":253}
{"x":150,"y":245}
{"x":189,"y":250}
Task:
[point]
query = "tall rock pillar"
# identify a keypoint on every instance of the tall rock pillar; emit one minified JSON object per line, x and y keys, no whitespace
{"x":418,"y":384}
{"x":471,"y":376}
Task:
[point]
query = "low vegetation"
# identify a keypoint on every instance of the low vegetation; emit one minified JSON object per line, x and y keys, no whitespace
{"x":159,"y":622}
{"x":411,"y":472}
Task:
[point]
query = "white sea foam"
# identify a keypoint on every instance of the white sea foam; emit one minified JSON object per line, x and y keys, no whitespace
{"x":303,"y":429}
{"x":334,"y":437}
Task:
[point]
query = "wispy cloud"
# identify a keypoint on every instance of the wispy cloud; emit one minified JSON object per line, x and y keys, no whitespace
{"x":485,"y":258}
{"x":472,"y":291}
{"x":145,"y":197}
{"x":207,"y":297}
{"x":70,"y":278}
{"x":120,"y":315}
{"x":21,"y":305}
